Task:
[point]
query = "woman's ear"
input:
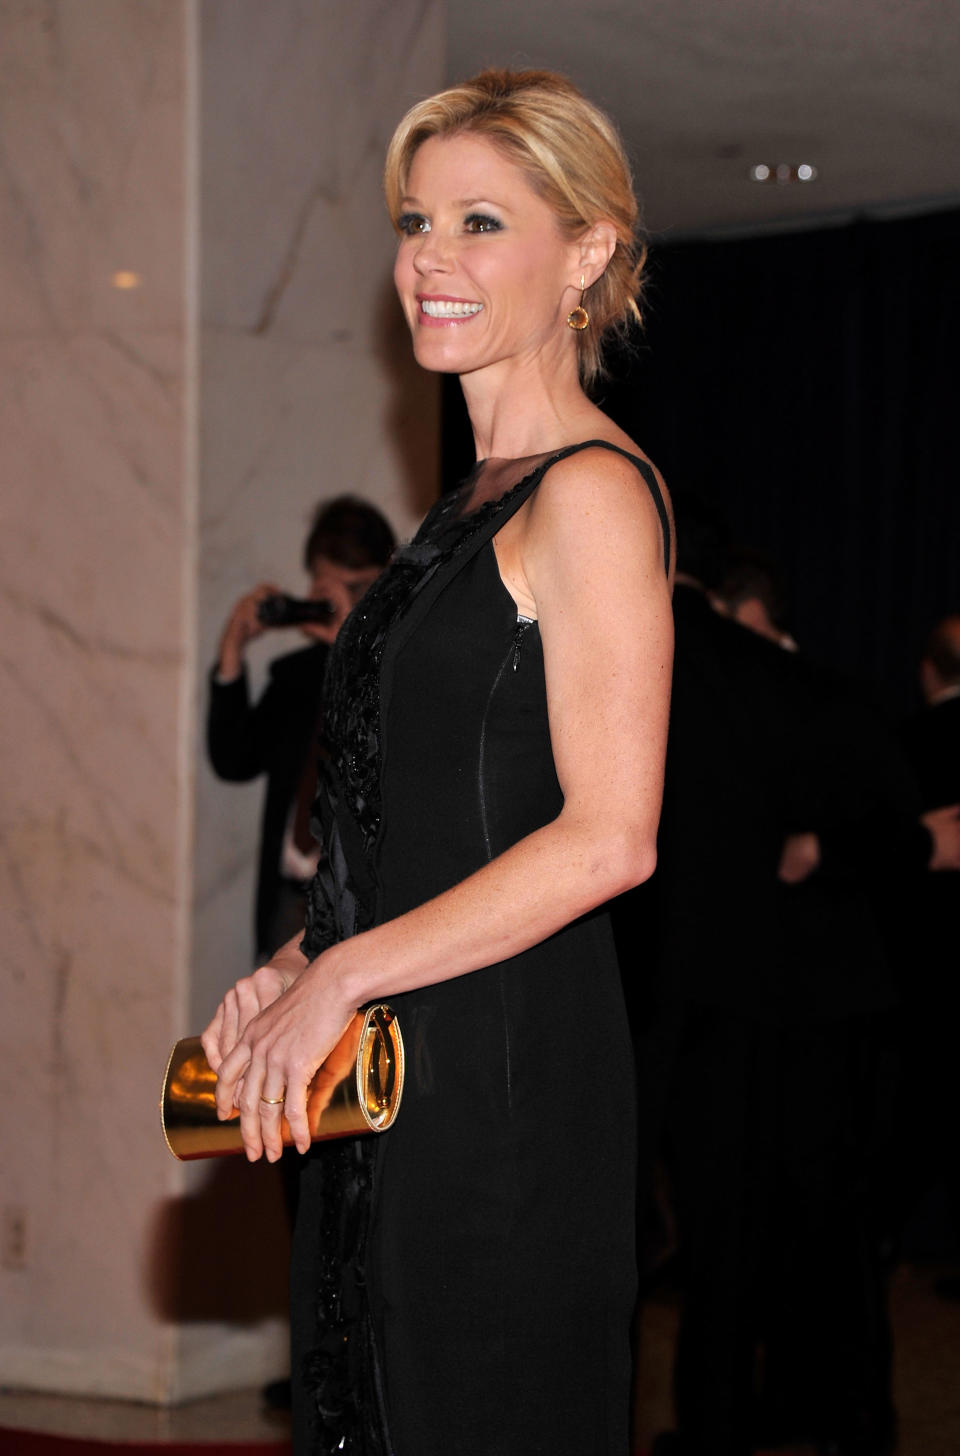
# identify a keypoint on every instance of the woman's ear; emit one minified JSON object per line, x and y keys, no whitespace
{"x":596,"y":249}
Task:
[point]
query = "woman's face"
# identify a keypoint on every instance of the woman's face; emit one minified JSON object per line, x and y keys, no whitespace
{"x":483,"y":272}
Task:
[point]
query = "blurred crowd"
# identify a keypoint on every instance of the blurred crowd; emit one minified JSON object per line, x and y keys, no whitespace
{"x":793,"y":988}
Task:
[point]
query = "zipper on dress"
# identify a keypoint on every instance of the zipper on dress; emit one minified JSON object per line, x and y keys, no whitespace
{"x":512,"y":655}
{"x":512,"y":658}
{"x":518,"y":633}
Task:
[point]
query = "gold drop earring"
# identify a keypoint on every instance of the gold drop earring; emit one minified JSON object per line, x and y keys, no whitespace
{"x":579,"y":318}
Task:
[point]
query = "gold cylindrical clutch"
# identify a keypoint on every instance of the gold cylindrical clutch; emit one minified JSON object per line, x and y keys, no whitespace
{"x":356,"y":1090}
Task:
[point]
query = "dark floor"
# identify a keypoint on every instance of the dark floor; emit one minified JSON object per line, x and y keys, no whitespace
{"x":927,"y":1388}
{"x":926,"y":1363}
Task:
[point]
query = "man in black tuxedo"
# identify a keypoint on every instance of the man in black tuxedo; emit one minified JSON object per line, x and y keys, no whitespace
{"x":763,"y":1042}
{"x":348,"y":546}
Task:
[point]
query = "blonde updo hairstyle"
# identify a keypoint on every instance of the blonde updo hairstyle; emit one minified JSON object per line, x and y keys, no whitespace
{"x":571,"y":155}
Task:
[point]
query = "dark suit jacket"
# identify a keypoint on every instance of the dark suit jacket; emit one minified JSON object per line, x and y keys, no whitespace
{"x":929,"y":912}
{"x":932,"y":743}
{"x":758,"y":1047}
{"x":271,"y":737}
{"x":763,"y":744}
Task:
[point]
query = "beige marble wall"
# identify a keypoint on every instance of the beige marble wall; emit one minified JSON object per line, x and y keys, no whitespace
{"x":95,"y":655}
{"x":160,"y":447}
{"x":307,"y":382}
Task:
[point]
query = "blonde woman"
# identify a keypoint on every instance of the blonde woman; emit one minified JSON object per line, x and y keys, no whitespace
{"x":498,"y":715}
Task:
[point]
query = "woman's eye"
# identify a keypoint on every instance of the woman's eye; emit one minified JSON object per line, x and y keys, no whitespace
{"x":412,"y":223}
{"x":479,"y":222}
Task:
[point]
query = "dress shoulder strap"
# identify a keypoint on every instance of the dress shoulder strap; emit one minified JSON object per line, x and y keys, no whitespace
{"x":646,"y":471}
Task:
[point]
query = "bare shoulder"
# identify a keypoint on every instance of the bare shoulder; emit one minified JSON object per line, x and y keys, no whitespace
{"x":600,"y":471}
{"x":610,"y":491}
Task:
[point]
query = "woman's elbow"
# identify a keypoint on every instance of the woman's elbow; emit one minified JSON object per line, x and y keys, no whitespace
{"x":630,"y":858}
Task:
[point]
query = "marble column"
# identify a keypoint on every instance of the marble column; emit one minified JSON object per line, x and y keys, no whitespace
{"x":196,"y":341}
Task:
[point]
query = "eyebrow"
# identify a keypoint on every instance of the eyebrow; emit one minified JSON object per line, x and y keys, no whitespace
{"x":459,"y":202}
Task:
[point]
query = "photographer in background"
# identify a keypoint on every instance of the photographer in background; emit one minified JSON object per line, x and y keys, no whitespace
{"x":348,"y":546}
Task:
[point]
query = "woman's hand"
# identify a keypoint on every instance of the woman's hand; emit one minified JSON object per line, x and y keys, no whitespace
{"x":267,"y":1072}
{"x":251,"y":995}
{"x":240,"y":1005}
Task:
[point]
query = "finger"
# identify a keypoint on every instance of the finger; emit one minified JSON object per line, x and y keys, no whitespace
{"x":295,"y":1111}
{"x":271,"y":1109}
{"x":230,"y":1025}
{"x":248,"y":1003}
{"x":252,"y":1109}
{"x":271,"y":1123}
{"x":232,"y":1068}
{"x":210,"y":1040}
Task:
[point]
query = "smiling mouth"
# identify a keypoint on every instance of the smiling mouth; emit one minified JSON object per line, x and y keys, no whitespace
{"x":443,"y":308}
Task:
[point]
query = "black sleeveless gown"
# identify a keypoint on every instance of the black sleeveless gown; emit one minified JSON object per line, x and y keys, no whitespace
{"x":465,"y":1282}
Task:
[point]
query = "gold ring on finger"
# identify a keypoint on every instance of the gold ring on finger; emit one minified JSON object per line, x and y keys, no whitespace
{"x":274,"y":1101}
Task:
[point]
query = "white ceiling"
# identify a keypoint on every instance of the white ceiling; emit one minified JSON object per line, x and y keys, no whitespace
{"x":868,"y":91}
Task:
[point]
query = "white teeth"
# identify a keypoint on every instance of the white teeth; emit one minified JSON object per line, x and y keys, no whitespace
{"x":440,"y":308}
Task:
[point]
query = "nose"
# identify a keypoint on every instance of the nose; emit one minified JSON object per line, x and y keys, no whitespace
{"x":433,"y":254}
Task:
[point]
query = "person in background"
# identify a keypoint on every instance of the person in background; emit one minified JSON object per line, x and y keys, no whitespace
{"x":925,"y":912}
{"x":932,"y":737}
{"x":763,"y":1045}
{"x":348,"y":545}
{"x":752,"y":593}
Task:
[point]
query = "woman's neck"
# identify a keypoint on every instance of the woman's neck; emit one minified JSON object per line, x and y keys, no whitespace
{"x":516,"y":411}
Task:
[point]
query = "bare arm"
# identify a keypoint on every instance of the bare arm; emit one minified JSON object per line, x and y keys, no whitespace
{"x":590,"y":553}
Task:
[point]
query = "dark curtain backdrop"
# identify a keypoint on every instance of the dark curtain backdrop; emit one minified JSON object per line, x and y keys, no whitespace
{"x":809,"y":382}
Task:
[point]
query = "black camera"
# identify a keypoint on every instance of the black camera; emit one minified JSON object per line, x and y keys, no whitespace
{"x":284,"y":611}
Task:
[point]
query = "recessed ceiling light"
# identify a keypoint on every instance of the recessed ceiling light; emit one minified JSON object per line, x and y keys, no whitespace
{"x":783,"y":172}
